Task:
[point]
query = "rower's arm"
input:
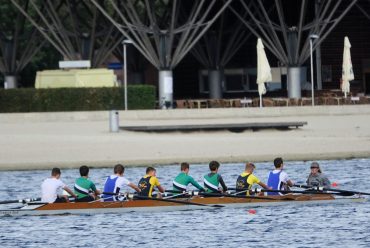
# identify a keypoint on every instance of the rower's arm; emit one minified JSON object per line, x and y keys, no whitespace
{"x":221,"y":180}
{"x":134,"y":187}
{"x":326,"y":182}
{"x":196,"y":184}
{"x":264,"y":185}
{"x":290,"y":183}
{"x":160,"y":188}
{"x":70,"y":191}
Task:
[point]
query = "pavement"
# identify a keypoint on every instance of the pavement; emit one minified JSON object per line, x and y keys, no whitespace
{"x":70,"y":139}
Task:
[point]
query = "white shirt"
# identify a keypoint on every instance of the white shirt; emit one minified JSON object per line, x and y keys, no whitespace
{"x":120,"y":183}
{"x":283,"y":175}
{"x":50,"y":188}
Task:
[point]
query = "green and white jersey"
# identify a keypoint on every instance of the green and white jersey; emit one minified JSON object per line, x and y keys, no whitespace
{"x":182,"y":180}
{"x":83,"y":186}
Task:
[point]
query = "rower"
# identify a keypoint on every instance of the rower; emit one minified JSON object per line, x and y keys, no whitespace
{"x":316,"y":177}
{"x":114,"y":183}
{"x":148,"y":182}
{"x":246,"y":180}
{"x":213,"y":179}
{"x":183,"y":179}
{"x":83,"y":186}
{"x":278,"y":179}
{"x":51,"y":186}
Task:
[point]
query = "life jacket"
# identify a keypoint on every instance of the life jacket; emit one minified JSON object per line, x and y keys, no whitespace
{"x":145,"y":186}
{"x":275,"y":183}
{"x":242,"y":184}
{"x":211,"y":182}
{"x":110,"y":186}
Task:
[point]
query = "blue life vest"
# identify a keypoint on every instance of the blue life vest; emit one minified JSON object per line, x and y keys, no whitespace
{"x":110,"y":186}
{"x":274,"y":182}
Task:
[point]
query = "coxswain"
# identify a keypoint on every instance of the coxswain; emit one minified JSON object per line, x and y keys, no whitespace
{"x":212,"y":180}
{"x":316,"y":177}
{"x":278,"y":179}
{"x":83,"y":186}
{"x":183,"y":179}
{"x":52,"y":185}
{"x":246,"y":180}
{"x":149,"y":182}
{"x":115,"y":183}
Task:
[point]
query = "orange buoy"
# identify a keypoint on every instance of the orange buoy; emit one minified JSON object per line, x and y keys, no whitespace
{"x":334,"y":184}
{"x":252,"y":211}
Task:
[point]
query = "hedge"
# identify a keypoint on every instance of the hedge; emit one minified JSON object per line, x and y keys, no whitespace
{"x":76,"y":99}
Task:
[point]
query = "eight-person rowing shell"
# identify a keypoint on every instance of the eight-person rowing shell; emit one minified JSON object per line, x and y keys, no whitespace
{"x":117,"y":185}
{"x":116,"y":197}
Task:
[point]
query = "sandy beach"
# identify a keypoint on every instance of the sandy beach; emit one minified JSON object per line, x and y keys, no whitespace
{"x":68,"y":140}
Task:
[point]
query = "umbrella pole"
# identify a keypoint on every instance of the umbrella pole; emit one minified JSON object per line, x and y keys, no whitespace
{"x":260,"y":101}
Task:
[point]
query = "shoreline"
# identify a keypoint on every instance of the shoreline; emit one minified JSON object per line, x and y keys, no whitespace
{"x":145,"y":163}
{"x":44,"y":140}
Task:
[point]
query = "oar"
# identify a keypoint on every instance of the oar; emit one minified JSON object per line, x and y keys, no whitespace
{"x":164,"y":200}
{"x":175,"y":195}
{"x":312,"y":191}
{"x":349,"y":192}
{"x":236,"y":196}
{"x":174,"y":191}
{"x":176,"y":201}
{"x":20,"y":201}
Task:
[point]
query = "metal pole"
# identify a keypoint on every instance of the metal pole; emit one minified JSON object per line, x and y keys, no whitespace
{"x":312,"y":37}
{"x":125,"y":73}
{"x":312,"y":91}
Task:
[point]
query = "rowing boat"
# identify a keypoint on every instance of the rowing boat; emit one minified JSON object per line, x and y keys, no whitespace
{"x":151,"y":205}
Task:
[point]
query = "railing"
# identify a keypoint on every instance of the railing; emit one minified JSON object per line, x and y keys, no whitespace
{"x":270,"y":102}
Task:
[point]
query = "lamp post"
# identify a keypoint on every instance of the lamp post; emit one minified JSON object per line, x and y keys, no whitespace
{"x":125,"y":42}
{"x":312,"y":37}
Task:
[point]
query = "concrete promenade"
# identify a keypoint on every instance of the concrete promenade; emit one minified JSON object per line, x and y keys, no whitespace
{"x":68,"y":140}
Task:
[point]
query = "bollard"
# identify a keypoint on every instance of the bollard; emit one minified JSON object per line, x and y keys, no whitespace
{"x":113,"y":121}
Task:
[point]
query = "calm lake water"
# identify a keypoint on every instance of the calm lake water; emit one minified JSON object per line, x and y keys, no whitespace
{"x":342,"y":225}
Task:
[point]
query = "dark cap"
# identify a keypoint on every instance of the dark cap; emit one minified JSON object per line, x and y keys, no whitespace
{"x":315,"y":165}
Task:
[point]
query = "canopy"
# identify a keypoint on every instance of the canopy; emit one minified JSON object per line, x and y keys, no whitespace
{"x":347,"y":70}
{"x":263,"y":69}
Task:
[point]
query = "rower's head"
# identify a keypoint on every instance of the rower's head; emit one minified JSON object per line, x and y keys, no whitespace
{"x":278,"y":162}
{"x":151,"y":171}
{"x":185,"y":167}
{"x":55,"y":172}
{"x":315,"y":168}
{"x":84,"y":171}
{"x":249,"y":167}
{"x":214,"y":165}
{"x":119,"y":169}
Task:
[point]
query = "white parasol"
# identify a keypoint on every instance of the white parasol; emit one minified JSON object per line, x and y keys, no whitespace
{"x":263,"y":69}
{"x":347,"y":70}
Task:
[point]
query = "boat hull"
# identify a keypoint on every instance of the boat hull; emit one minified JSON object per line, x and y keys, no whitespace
{"x":178,"y":205}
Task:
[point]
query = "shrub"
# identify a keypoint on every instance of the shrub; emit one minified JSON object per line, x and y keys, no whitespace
{"x":76,"y":99}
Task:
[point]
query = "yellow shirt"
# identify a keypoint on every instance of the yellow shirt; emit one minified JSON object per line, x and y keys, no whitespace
{"x":153,"y":181}
{"x":252,"y":179}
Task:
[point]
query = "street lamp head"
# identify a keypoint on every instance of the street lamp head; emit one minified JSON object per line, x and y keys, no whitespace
{"x":127,"y":41}
{"x":314,"y":36}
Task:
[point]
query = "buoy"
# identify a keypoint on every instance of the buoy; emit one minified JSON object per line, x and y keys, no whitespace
{"x":334,"y":184}
{"x":252,"y":211}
